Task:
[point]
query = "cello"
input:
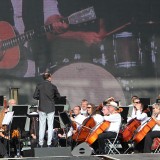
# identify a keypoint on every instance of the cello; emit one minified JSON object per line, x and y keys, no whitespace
{"x":94,"y":135}
{"x":142,"y":133}
{"x":130,"y":129}
{"x":87,"y":125}
{"x":103,"y":126}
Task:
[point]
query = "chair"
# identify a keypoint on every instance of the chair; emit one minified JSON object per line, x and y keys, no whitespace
{"x":156,"y":145}
{"x":112,"y":145}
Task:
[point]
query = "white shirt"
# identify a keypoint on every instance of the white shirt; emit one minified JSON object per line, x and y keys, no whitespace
{"x":78,"y":120}
{"x":141,"y":116}
{"x":84,"y":112}
{"x":156,"y":127}
{"x":115,"y":120}
{"x":98,"y":119}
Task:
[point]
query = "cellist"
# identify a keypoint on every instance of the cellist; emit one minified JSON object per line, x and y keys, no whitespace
{"x":114,"y":118}
{"x":98,"y":119}
{"x":77,"y":122}
{"x":140,"y":115}
{"x":155,"y":132}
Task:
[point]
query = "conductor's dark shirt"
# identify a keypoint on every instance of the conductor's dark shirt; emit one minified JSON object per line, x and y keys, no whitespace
{"x":46,"y":93}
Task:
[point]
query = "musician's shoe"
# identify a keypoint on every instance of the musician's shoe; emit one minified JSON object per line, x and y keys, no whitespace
{"x":40,"y":146}
{"x":50,"y":146}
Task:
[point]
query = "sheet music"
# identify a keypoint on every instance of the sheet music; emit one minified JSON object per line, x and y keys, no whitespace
{"x":7,"y":118}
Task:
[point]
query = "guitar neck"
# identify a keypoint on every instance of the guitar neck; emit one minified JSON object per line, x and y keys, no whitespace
{"x":82,"y":16}
{"x":29,"y":35}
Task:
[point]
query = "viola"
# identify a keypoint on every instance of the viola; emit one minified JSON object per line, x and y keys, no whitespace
{"x":94,"y":135}
{"x":130,"y":129}
{"x":142,"y":133}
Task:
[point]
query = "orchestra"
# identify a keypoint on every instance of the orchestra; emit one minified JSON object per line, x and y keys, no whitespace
{"x":99,"y":123}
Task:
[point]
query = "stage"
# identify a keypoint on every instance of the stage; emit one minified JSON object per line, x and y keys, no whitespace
{"x":139,"y":156}
{"x":147,"y":156}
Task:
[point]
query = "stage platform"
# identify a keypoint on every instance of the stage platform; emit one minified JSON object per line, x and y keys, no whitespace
{"x":144,"y":156}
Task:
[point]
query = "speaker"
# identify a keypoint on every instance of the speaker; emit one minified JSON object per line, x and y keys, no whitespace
{"x":52,"y":151}
{"x":82,"y":149}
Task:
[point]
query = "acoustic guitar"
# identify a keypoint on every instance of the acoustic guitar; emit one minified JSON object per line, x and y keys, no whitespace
{"x":9,"y":49}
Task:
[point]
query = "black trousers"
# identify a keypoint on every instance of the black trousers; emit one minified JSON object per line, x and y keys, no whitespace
{"x":149,"y":140}
{"x":101,"y":140}
{"x":3,"y":150}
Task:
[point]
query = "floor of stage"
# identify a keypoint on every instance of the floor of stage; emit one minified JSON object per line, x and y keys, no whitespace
{"x":139,"y":156}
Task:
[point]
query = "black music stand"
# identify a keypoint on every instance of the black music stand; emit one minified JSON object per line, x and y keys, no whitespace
{"x":66,"y":121}
{"x":61,"y":100}
{"x":124,"y":113}
{"x":1,"y":100}
{"x":146,"y":104}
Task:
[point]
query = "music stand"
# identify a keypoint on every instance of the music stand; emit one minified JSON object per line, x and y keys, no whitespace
{"x":1,"y":100}
{"x":19,"y":118}
{"x":146,"y":104}
{"x":58,"y":109}
{"x":124,"y":113}
{"x":66,"y":121}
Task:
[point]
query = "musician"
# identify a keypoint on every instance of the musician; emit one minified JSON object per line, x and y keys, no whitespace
{"x":131,"y":106}
{"x":91,"y":110}
{"x":115,"y":122}
{"x":137,"y":111}
{"x":84,"y":103}
{"x":11,"y":103}
{"x":34,"y":131}
{"x":78,"y":39}
{"x":155,"y":132}
{"x":3,"y":137}
{"x":98,"y":118}
{"x":76,"y":124}
{"x":139,"y":114}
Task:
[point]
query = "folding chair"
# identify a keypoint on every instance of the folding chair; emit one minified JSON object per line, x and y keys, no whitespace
{"x":112,"y":145}
{"x":156,"y":145}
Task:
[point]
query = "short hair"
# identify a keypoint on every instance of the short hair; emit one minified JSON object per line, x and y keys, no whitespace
{"x":84,"y":100}
{"x":46,"y":75}
{"x":157,"y":105}
{"x":133,"y":98}
{"x":77,"y":107}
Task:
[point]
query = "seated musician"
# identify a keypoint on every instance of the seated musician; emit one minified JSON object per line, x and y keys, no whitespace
{"x":34,"y":132}
{"x":3,"y":136}
{"x":91,"y":110}
{"x":76,"y":123}
{"x":84,"y":104}
{"x":114,"y":118}
{"x":98,"y":118}
{"x":131,"y":107}
{"x":140,"y":115}
{"x":155,"y":132}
